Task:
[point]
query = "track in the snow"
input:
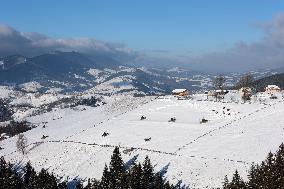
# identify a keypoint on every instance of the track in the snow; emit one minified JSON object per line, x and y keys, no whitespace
{"x":224,"y":126}
{"x":100,"y":123}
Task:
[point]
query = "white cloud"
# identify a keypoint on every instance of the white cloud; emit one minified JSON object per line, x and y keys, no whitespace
{"x":268,"y":52}
{"x":31,"y":43}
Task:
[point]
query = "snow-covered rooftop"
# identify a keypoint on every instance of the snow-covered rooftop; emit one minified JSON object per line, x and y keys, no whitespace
{"x":272,"y":87}
{"x":179,"y":90}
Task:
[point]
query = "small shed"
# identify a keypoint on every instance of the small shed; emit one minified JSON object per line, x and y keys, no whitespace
{"x":180,"y":92}
{"x":271,"y":89}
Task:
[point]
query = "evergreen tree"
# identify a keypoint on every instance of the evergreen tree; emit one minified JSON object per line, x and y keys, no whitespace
{"x":226,"y":182}
{"x":5,"y":112}
{"x":8,"y":177}
{"x":79,"y":185}
{"x":147,"y":174}
{"x":168,"y":186}
{"x":62,"y":185}
{"x":46,"y":180}
{"x":269,"y":171}
{"x":93,"y":184}
{"x":158,"y":181}
{"x":116,"y":169}
{"x":237,"y":182}
{"x":3,"y":169}
{"x":279,"y":167}
{"x":30,"y":177}
{"x":253,"y":182}
{"x":105,"y":181}
{"x":135,"y":178}
{"x":89,"y":185}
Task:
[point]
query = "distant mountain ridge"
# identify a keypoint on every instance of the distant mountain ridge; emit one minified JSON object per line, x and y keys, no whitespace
{"x":73,"y":71}
{"x":277,"y":79}
{"x":57,"y":65}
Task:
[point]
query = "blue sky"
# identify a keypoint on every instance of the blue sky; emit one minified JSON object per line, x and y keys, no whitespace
{"x":182,"y":25}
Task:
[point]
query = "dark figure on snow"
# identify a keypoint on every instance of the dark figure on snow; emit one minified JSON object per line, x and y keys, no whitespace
{"x":142,"y":117}
{"x":147,"y":139}
{"x":105,"y":134}
{"x":173,"y":119}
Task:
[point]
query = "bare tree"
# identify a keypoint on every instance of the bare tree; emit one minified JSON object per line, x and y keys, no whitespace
{"x":219,"y":84}
{"x":246,"y":93}
{"x":245,"y":81}
{"x":22,"y":143}
{"x":244,"y":84}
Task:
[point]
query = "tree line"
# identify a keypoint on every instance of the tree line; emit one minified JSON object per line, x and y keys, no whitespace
{"x":5,"y":111}
{"x":15,"y":127}
{"x":116,"y":175}
{"x":269,"y":174}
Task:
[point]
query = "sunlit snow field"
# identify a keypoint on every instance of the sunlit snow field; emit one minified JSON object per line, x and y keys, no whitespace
{"x":199,"y":155}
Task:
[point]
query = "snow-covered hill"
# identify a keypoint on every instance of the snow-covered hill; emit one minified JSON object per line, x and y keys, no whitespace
{"x":198,"y":155}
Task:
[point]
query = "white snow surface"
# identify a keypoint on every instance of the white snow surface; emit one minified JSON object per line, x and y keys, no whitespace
{"x":32,"y":86}
{"x":114,"y":85}
{"x":35,"y":99}
{"x":179,"y":90}
{"x":5,"y":91}
{"x":199,"y":155}
{"x":94,"y":72}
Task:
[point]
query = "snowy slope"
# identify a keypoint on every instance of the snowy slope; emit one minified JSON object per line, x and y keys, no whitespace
{"x":199,"y":155}
{"x":5,"y":91}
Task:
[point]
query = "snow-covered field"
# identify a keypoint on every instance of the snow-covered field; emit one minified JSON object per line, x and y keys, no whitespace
{"x":199,"y":155}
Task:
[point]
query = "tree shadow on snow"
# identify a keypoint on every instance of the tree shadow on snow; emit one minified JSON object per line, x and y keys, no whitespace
{"x":130,"y":162}
{"x":72,"y":184}
{"x":34,"y":145}
{"x":164,"y":170}
{"x":181,"y":185}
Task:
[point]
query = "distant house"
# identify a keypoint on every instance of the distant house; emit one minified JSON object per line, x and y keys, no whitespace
{"x":180,"y":92}
{"x":271,"y":89}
